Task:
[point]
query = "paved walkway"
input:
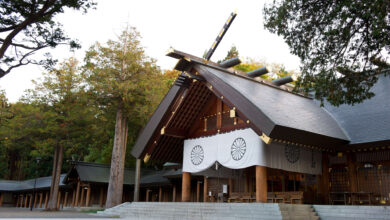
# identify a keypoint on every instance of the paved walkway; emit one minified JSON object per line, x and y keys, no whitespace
{"x":40,"y":213}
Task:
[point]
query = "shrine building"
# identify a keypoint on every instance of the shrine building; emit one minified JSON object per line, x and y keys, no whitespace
{"x":240,"y":138}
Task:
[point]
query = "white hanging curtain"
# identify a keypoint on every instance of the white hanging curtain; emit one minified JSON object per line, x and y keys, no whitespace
{"x":243,"y":148}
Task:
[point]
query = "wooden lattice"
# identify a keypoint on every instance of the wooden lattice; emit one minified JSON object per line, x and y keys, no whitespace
{"x":339,"y":180}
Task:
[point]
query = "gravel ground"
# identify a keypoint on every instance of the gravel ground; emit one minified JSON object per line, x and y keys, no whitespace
{"x":40,"y":213}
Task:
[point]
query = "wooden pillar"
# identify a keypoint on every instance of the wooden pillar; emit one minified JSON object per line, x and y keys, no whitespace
{"x":205,"y":188}
{"x":137,"y":179}
{"x":17,"y":201}
{"x":261,"y":184}
{"x":101,"y":197}
{"x":351,"y":160}
{"x":35,"y":200}
{"x":88,"y":196}
{"x":174,"y":193}
{"x":66,"y":199}
{"x":325,"y":178}
{"x":77,"y":193}
{"x":82,"y":196}
{"x":46,"y":199}
{"x":40,"y":199}
{"x":1,"y":198}
{"x":25,"y":201}
{"x":147,"y":195}
{"x":250,"y":183}
{"x":186,"y":187}
{"x":230,"y":186}
{"x":73,"y":198}
{"x":198,"y":191}
{"x":283,"y":182}
{"x":160,"y":194}
{"x":59,"y":199}
{"x":246,"y":186}
{"x":295,"y":180}
{"x":30,"y":201}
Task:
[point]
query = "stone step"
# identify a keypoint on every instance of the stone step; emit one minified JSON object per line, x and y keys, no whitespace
{"x":212,"y":211}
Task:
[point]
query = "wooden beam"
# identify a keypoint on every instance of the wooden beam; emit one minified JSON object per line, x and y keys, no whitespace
{"x":82,"y":196}
{"x":101,"y":196}
{"x":77,"y":193}
{"x":147,"y":195}
{"x":25,"y":201}
{"x":160,"y":194}
{"x":186,"y":187}
{"x":174,"y":193}
{"x":46,"y":199}
{"x":261,"y":184}
{"x":174,"y":132}
{"x":88,"y":195}
{"x":40,"y":199}
{"x":73,"y":198}
{"x":230,"y":186}
{"x":66,"y":199}
{"x":219,"y":113}
{"x":352,"y":173}
{"x":205,"y":185}
{"x":17,"y":201}
{"x":324,"y":184}
{"x":30,"y":201}
{"x":58,"y":200}
{"x":198,"y":191}
{"x":35,"y":200}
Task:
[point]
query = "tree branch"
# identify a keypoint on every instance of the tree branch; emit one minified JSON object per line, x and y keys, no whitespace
{"x":23,"y":46}
{"x":21,"y":63}
{"x":30,"y":20}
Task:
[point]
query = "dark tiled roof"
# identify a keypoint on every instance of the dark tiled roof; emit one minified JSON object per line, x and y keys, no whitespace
{"x":368,"y":121}
{"x":42,"y":183}
{"x":282,"y":108}
{"x":100,"y":173}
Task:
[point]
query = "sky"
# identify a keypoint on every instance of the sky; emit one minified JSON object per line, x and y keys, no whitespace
{"x":188,"y":26}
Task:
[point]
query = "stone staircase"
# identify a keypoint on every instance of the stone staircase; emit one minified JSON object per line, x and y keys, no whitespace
{"x":349,"y":212}
{"x":301,"y":212}
{"x":211,"y":211}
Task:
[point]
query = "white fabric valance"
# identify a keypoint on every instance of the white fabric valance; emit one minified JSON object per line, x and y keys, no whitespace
{"x":244,"y":148}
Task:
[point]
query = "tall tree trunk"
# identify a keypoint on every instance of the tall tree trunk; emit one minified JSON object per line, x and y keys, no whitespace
{"x":115,"y":185}
{"x":55,"y":181}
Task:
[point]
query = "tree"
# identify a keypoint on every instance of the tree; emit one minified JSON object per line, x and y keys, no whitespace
{"x":27,"y":26}
{"x":233,"y":52}
{"x":61,"y":98}
{"x":249,"y":64}
{"x":122,"y":77}
{"x":343,"y":45}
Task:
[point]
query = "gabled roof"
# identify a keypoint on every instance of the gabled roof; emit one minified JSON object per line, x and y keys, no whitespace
{"x":42,"y":183}
{"x":100,"y":173}
{"x":276,"y":112}
{"x":369,"y":121}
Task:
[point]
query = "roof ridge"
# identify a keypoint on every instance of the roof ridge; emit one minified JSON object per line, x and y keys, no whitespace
{"x":188,"y":58}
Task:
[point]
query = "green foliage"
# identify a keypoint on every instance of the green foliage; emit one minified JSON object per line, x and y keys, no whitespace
{"x":29,"y":27}
{"x":122,"y":76}
{"x":233,"y":52}
{"x":75,"y":105}
{"x":343,"y":45}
